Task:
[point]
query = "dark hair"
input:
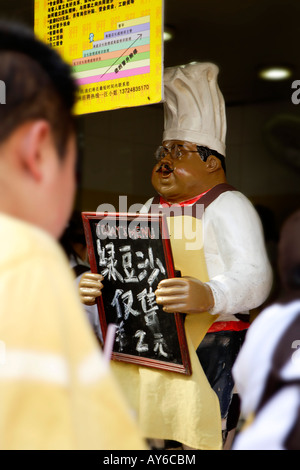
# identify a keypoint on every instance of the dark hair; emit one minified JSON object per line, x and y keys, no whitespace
{"x":293,"y":278}
{"x":38,"y":84}
{"x":205,"y":152}
{"x":73,"y":234}
{"x":289,"y":253}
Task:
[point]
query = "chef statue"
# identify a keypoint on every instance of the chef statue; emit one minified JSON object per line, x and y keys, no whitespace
{"x":218,"y":247}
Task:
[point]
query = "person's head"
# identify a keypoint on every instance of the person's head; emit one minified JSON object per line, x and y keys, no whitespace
{"x":37,"y":132}
{"x":289,"y":256}
{"x":184,"y":170}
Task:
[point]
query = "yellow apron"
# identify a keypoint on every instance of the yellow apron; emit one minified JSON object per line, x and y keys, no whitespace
{"x":186,"y":236}
{"x":170,"y":405}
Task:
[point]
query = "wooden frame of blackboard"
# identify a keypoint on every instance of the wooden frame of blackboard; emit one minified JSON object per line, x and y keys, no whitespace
{"x":171,"y":325}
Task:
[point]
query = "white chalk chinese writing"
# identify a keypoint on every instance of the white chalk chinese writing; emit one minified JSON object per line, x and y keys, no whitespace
{"x":129,"y":267}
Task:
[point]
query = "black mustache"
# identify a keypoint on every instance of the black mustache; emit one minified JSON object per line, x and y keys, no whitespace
{"x":164,"y":166}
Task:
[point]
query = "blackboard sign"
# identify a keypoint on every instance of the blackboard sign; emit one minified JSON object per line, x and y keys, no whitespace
{"x":133,"y":253}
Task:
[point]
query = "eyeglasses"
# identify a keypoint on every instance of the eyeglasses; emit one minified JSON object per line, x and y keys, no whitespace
{"x":176,"y":151}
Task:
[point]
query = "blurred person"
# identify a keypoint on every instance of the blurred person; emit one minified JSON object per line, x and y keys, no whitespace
{"x":56,"y":391}
{"x":74,"y":244}
{"x":267,"y":370}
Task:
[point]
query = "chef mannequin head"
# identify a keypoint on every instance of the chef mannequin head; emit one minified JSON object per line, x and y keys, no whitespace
{"x":191,"y":159}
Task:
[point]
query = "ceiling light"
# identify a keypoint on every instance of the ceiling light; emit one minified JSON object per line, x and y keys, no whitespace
{"x":168,"y":33}
{"x":167,"y":36}
{"x":275,"y":73}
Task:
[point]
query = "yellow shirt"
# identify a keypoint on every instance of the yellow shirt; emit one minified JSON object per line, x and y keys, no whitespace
{"x":56,"y":392}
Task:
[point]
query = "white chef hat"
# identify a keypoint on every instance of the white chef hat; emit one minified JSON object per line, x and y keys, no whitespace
{"x":194,"y":107}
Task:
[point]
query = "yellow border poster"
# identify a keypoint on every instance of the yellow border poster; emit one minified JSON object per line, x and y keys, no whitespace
{"x":115,"y":48}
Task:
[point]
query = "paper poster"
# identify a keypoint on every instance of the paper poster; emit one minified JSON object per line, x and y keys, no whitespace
{"x":115,"y":48}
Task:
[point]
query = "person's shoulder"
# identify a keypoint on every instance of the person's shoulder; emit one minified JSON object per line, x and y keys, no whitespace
{"x":270,"y":324}
{"x":265,"y":332}
{"x":280,"y":314}
{"x":21,"y":240}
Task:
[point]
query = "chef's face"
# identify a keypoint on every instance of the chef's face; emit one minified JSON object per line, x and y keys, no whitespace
{"x":179,"y":173}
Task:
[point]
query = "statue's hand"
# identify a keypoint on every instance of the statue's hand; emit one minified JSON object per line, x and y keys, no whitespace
{"x":90,"y":287}
{"x":184,"y":295}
